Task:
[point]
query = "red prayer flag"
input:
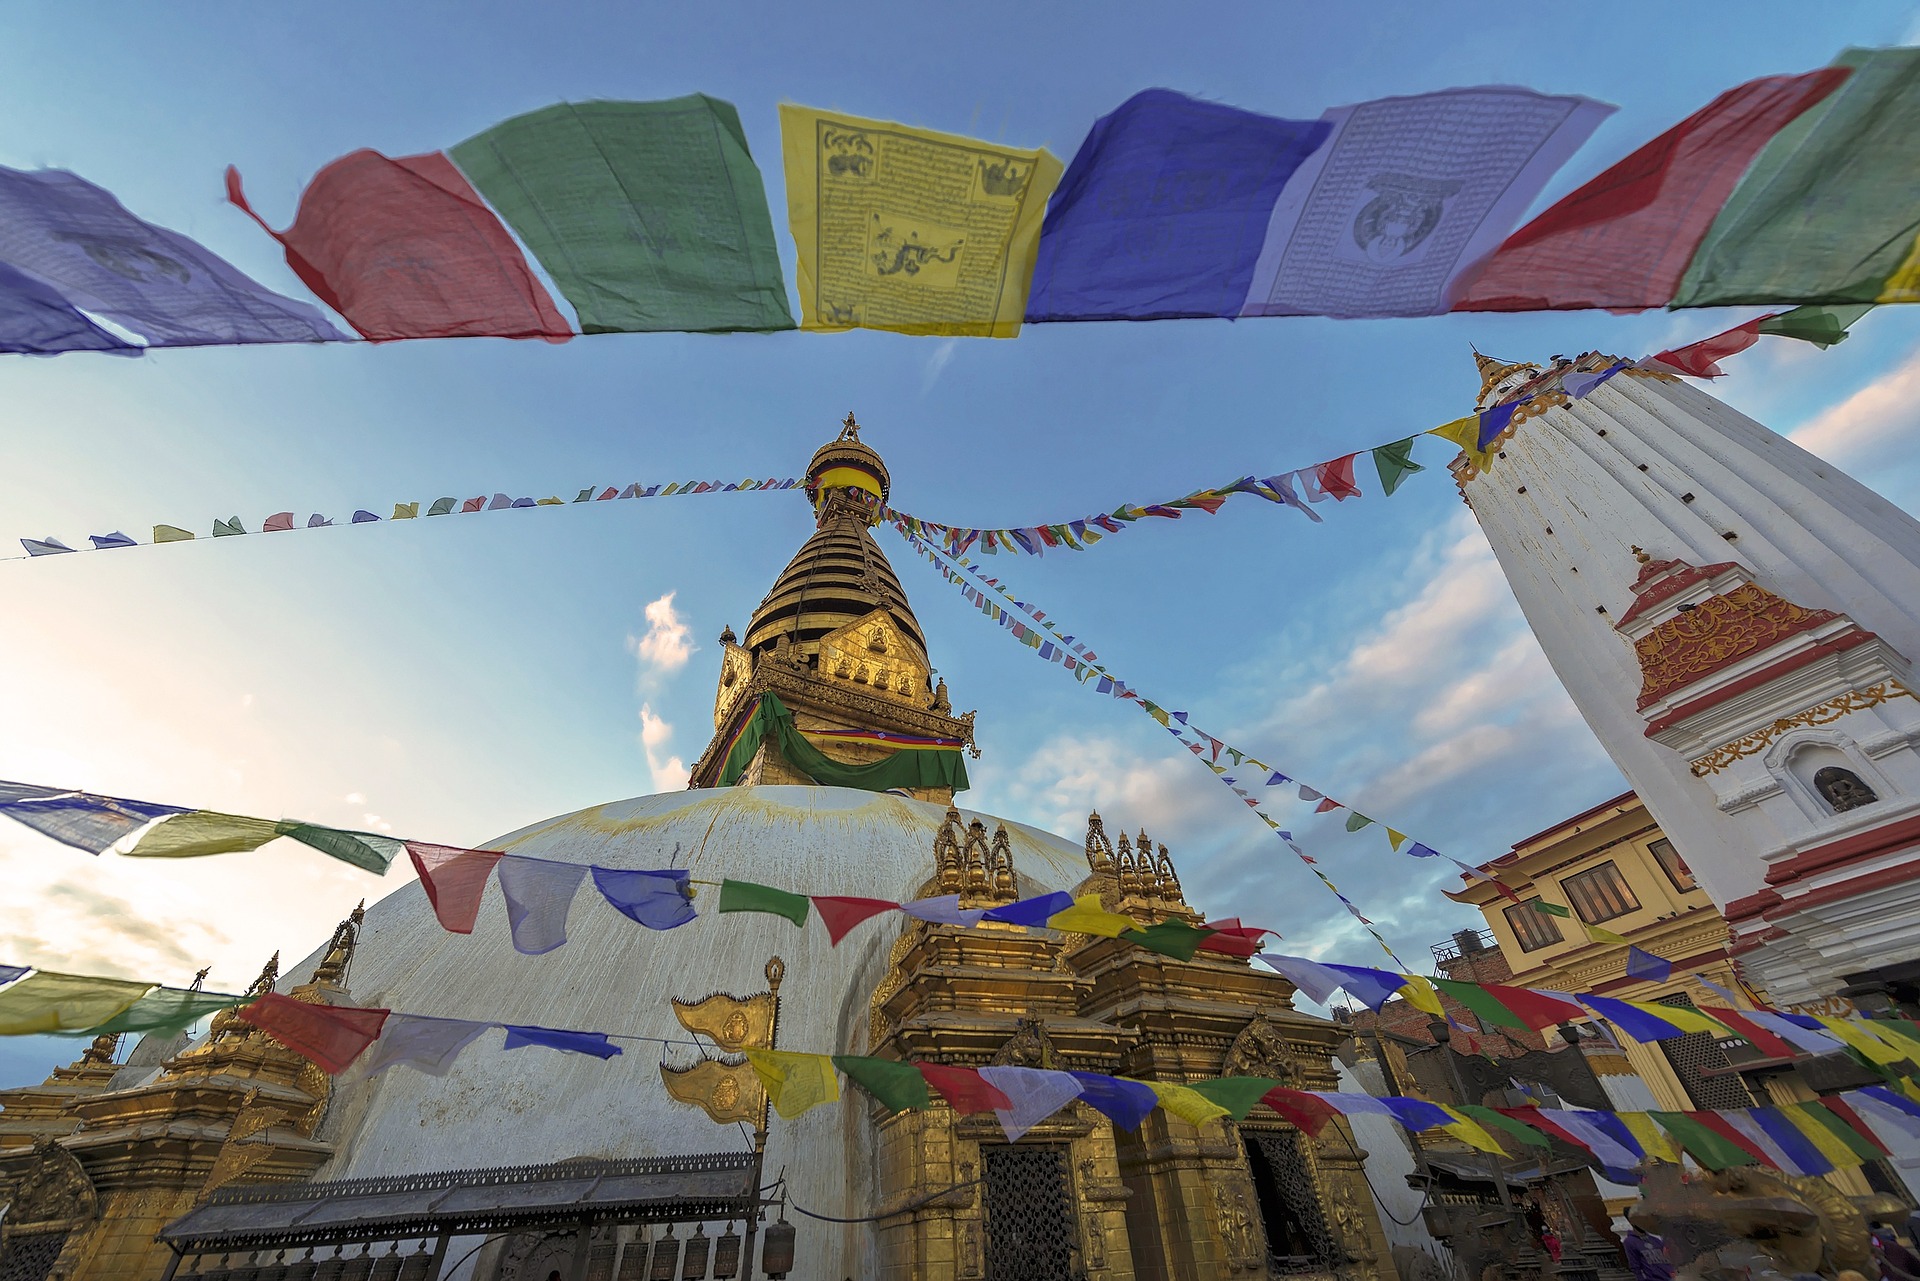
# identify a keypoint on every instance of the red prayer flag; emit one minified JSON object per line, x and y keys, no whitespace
{"x":964,"y":1089}
{"x":1536,"y":1009}
{"x":1538,"y":1120}
{"x":1311,"y":1114}
{"x":1230,"y":938}
{"x":1326,"y":803}
{"x":331,"y":1035}
{"x":1698,"y":359}
{"x":1764,"y":1041}
{"x":1718,"y":1124}
{"x":405,"y":248}
{"x":454,"y":879}
{"x":1336,"y":477}
{"x":1624,"y":240}
{"x":841,"y":914}
{"x":1208,"y":502}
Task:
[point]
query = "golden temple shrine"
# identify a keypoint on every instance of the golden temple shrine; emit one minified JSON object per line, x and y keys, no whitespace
{"x":834,"y":765}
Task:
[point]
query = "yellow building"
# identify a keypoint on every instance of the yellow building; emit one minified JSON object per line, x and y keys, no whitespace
{"x":1612,"y":868}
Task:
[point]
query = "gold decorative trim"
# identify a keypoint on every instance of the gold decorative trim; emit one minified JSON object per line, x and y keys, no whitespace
{"x":1819,"y":714}
{"x":1721,"y":630}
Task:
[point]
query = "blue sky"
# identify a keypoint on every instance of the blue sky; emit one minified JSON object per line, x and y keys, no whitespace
{"x":453,"y":680}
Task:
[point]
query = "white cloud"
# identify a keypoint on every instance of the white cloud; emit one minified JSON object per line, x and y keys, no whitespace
{"x":355,"y":798}
{"x":1888,"y":405}
{"x":668,"y":642}
{"x":937,"y":362}
{"x":669,"y":772}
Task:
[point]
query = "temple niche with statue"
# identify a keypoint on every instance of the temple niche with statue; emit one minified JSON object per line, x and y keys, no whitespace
{"x":833,"y":769}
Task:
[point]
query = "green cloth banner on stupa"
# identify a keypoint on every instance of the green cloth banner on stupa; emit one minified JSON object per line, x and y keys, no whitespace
{"x":1829,"y":211}
{"x":649,"y":216}
{"x":909,"y":767}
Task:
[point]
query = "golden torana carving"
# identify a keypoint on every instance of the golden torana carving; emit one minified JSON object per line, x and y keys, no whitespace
{"x":1819,"y":714}
{"x":1721,"y":630}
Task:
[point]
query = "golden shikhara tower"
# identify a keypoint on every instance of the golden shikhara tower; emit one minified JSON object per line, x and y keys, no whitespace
{"x":836,"y":642}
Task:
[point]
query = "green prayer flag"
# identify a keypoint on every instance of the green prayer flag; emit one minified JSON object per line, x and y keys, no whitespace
{"x":1481,"y":1002}
{"x":1237,"y":1094}
{"x":1825,"y":214}
{"x":648,"y":215}
{"x":166,"y":1009}
{"x":441,"y":506}
{"x":1703,"y":1145}
{"x":1504,"y":1124}
{"x":198,"y":833}
{"x":1169,"y":938}
{"x":46,"y":1001}
{"x":745,"y":896}
{"x":362,"y":849}
{"x":1551,"y":909}
{"x":898,"y":1085}
{"x":1840,"y":1130}
{"x":1821,"y":326}
{"x":1395,"y":463}
{"x":1356,"y":821}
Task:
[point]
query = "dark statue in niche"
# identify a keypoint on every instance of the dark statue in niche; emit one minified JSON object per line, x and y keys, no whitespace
{"x":1842,"y":789}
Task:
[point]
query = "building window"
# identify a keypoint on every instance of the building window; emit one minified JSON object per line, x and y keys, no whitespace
{"x":1533,"y":928}
{"x":1600,"y":894}
{"x":1673,"y":865}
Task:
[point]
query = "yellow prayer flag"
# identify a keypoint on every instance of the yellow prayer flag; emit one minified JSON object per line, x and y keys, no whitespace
{"x":1086,"y":916}
{"x":1396,"y":839}
{"x":1464,"y":432}
{"x":406,"y":511}
{"x":1650,"y":1136}
{"x":201,"y":832}
{"x":1599,"y":935}
{"x":1470,"y":1131}
{"x":50,"y":1002}
{"x":1421,"y":996}
{"x":170,"y":534}
{"x":1826,"y":1141}
{"x":549,"y":502}
{"x":1858,"y":1038}
{"x":795,"y":1082}
{"x":911,"y":230}
{"x":1187,"y":1104}
{"x":1683,"y":1018}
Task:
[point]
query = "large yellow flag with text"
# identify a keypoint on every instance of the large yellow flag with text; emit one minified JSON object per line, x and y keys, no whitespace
{"x":911,"y":230}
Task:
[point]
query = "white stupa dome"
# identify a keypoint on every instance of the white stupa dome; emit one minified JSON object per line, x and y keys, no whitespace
{"x":498,"y":1108}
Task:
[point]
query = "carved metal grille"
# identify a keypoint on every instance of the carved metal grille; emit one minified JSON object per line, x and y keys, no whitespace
{"x":30,"y":1256}
{"x":1032,"y":1231}
{"x":1297,"y":1236}
{"x":1696,"y":1050}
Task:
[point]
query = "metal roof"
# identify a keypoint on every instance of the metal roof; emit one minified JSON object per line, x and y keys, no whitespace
{"x":462,"y":1202}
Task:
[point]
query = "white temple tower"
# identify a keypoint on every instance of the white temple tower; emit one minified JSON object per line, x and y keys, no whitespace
{"x":1734,"y":617}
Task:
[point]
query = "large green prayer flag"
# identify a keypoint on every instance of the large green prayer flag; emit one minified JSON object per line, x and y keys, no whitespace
{"x":46,"y":1001}
{"x":1395,"y":463}
{"x":745,"y":896}
{"x":1821,"y":326}
{"x":362,"y":849}
{"x":1237,"y":1094}
{"x":1702,"y":1144}
{"x":1829,"y":210}
{"x":167,"y":1009}
{"x":198,"y":833}
{"x":898,"y":1085}
{"x":648,"y":215}
{"x":1504,"y":1124}
{"x":1481,"y":1002}
{"x":1169,"y":938}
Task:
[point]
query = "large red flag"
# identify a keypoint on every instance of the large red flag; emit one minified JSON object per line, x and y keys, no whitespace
{"x":406,"y":249}
{"x":1624,"y":240}
{"x":331,"y":1035}
{"x":454,"y":880}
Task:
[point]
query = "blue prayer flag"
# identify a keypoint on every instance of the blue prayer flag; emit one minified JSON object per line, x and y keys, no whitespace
{"x":594,"y":1043}
{"x":363,"y":516}
{"x":539,"y":893}
{"x":80,"y":819}
{"x":1645,"y":965}
{"x":8,"y":973}
{"x":1031,"y":911}
{"x":1637,"y":1024}
{"x":1164,"y":209}
{"x":116,"y":539}
{"x":1125,"y":1103}
{"x":1372,"y":988}
{"x":1790,"y":1140}
{"x":1418,"y":850}
{"x":658,"y":900}
{"x":1417,"y":1114}
{"x":172,"y":291}
{"x":1494,"y":421}
{"x":44,"y":546}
